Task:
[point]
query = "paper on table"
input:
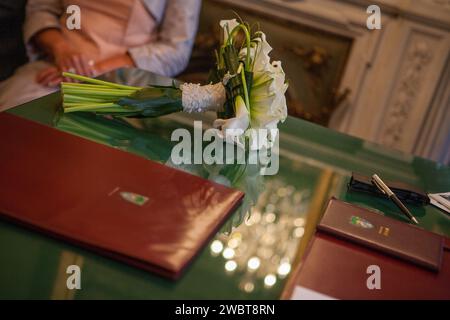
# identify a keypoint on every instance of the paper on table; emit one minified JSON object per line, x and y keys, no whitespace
{"x":302,"y":293}
{"x":440,"y":200}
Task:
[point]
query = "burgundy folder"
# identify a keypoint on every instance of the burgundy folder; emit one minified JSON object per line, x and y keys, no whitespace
{"x":120,"y":205}
{"x":378,"y":232}
{"x":338,"y":268}
{"x":413,"y":263}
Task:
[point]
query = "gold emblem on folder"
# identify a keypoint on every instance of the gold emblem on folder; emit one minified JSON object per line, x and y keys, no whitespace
{"x":384,"y":231}
{"x":360,"y":222}
{"x":134,"y":198}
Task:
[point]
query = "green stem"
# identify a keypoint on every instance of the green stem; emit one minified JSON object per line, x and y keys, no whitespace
{"x":84,"y":85}
{"x":118,"y":109}
{"x":98,"y":92}
{"x":244,"y":84}
{"x":74,"y":98}
{"x":88,"y":107}
{"x":247,"y":40}
{"x":96,"y":81}
{"x":90,"y":89}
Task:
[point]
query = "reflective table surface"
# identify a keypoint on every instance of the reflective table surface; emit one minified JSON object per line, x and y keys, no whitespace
{"x":253,"y":254}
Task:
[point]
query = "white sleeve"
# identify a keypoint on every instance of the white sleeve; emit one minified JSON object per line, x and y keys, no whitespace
{"x":170,"y":53}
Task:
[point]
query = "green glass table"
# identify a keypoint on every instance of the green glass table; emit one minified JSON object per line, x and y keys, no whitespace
{"x":253,"y":254}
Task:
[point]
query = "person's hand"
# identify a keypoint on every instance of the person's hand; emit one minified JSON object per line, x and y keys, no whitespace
{"x":112,"y":63}
{"x":64,"y":55}
{"x":52,"y":77}
{"x":68,"y":59}
{"x":49,"y":77}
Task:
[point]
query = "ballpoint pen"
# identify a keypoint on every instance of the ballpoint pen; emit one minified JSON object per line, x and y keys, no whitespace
{"x":391,"y":195}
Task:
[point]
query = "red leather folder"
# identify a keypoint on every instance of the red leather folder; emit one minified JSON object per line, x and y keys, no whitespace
{"x":378,"y":232}
{"x":120,"y":205}
{"x":338,"y":268}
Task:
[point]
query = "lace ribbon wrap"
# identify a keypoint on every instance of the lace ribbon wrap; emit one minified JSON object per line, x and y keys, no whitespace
{"x":197,"y":98}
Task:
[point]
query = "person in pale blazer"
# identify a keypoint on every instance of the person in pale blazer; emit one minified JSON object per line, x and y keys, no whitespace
{"x":154,"y":35}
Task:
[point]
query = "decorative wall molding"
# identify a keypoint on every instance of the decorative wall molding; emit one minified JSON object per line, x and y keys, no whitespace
{"x":434,"y":13}
{"x":417,"y":60}
{"x":393,"y":105}
{"x":434,"y":140}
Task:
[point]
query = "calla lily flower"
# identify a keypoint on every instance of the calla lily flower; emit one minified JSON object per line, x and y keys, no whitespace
{"x":267,"y":101}
{"x":232,"y":130}
{"x":267,"y":96}
{"x":228,"y":26}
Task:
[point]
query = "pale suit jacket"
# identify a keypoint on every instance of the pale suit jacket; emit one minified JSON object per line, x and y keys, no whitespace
{"x":168,"y":55}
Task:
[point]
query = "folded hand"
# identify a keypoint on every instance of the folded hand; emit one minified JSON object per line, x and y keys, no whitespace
{"x":71,"y":60}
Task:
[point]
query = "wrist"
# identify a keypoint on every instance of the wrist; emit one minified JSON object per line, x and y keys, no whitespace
{"x":51,"y":41}
{"x":58,"y":46}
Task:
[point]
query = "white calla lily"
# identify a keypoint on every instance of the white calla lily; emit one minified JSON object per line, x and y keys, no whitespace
{"x":259,"y":53}
{"x":267,"y":102}
{"x":232,"y":130}
{"x":228,"y":26}
{"x":267,"y":95}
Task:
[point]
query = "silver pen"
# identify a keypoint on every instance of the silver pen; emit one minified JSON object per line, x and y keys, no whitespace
{"x":376,"y":180}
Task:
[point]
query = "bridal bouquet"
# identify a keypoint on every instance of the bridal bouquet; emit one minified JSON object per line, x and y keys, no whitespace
{"x":247,"y":90}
